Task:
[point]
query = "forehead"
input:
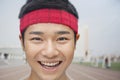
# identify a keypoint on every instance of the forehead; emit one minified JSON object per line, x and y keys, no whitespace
{"x":48,"y":28}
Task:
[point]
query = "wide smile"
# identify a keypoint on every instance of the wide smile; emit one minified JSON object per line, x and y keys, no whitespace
{"x":50,"y":66}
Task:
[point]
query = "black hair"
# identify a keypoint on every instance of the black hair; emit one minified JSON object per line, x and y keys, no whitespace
{"x":32,"y":5}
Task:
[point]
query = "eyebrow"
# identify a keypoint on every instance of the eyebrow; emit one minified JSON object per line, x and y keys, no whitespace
{"x":57,"y":32}
{"x":36,"y":32}
{"x":63,"y":32}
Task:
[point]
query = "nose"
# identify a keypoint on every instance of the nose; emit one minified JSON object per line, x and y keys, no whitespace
{"x":50,"y":50}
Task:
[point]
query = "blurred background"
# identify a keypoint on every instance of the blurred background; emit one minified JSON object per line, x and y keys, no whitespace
{"x":99,"y":29}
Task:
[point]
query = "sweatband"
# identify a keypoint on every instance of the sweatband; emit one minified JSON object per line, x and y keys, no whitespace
{"x":49,"y":16}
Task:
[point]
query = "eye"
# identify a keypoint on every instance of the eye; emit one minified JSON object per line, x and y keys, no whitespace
{"x":36,"y":39}
{"x":62,"y":39}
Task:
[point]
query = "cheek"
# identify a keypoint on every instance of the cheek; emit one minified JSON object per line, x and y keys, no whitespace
{"x":68,"y":50}
{"x":69,"y":53}
{"x":31,"y":50}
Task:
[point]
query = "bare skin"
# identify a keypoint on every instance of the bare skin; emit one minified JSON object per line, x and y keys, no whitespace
{"x":49,"y":50}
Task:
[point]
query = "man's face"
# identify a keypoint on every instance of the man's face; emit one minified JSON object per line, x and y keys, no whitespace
{"x":49,"y":49}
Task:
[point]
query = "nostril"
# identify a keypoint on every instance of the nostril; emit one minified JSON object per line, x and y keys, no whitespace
{"x":50,"y":56}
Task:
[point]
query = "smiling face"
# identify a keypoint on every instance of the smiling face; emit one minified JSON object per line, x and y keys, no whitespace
{"x":49,"y":50}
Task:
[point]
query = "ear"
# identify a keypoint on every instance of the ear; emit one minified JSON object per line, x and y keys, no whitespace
{"x":21,"y":40}
{"x":77,"y":36}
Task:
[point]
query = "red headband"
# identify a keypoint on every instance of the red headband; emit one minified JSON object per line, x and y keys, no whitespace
{"x":49,"y":16}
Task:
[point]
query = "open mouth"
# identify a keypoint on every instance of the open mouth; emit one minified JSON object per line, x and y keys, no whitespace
{"x":49,"y":65}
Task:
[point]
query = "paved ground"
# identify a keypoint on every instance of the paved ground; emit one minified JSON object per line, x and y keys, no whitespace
{"x":79,"y":72}
{"x":76,"y":72}
{"x":13,"y":73}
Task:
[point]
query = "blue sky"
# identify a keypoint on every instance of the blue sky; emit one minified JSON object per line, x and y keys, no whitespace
{"x":101,"y":16}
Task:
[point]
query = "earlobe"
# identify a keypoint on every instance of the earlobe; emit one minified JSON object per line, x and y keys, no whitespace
{"x":21,"y":40}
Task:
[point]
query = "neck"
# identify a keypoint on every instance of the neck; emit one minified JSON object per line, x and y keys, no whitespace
{"x":33,"y":76}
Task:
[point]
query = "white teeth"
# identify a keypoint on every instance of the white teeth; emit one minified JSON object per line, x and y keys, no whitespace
{"x":50,"y":63}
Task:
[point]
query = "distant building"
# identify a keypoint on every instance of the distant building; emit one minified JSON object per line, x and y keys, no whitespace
{"x":84,"y":44}
{"x":106,"y":60}
{"x":82,"y":53}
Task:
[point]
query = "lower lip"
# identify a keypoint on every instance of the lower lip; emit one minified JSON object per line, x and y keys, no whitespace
{"x":50,"y":69}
